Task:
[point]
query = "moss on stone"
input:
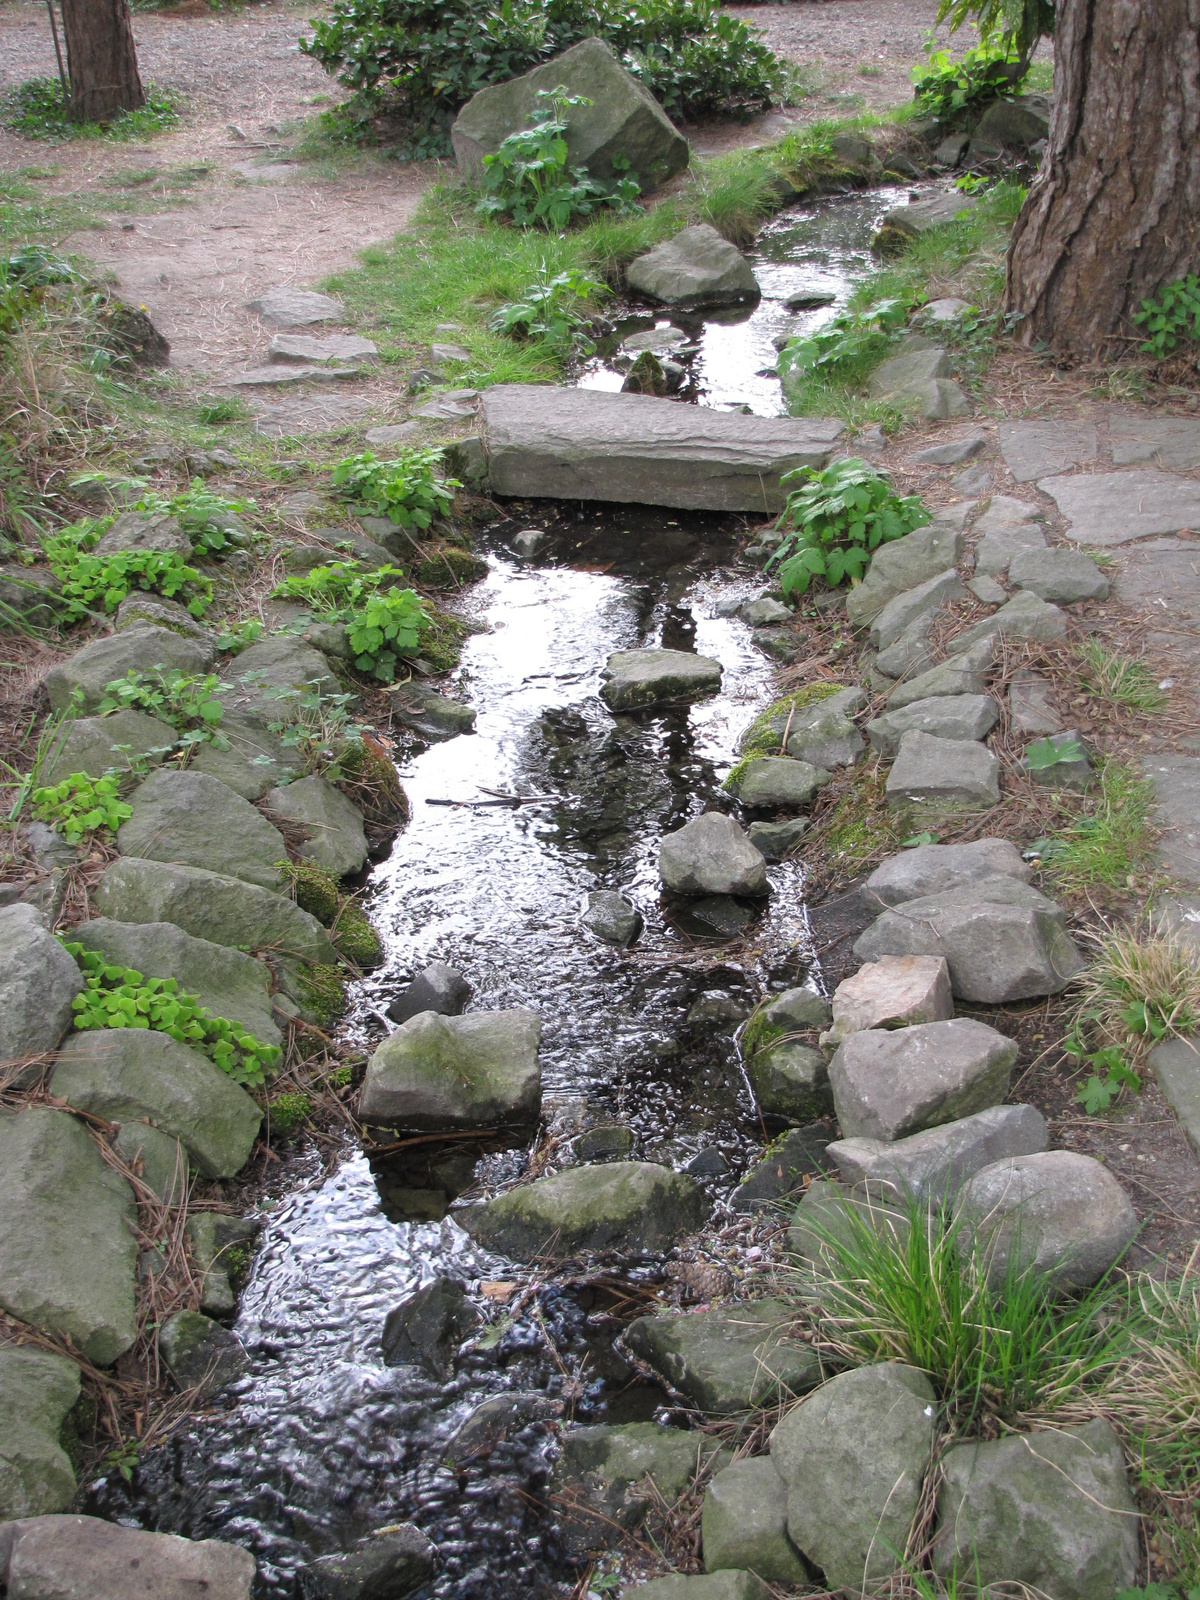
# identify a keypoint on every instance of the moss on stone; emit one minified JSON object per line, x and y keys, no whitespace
{"x":761,"y":738}
{"x":312,"y":889}
{"x":323,"y":994}
{"x":441,"y":641}
{"x":355,"y":938}
{"x":449,"y":567}
{"x":759,"y":1033}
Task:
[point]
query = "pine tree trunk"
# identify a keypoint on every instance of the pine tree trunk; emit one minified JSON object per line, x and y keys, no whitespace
{"x":101,"y":59}
{"x":1114,"y":212}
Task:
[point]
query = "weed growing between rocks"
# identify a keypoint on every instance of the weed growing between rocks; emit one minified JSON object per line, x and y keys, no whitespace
{"x":1111,"y":843}
{"x":1116,"y":680}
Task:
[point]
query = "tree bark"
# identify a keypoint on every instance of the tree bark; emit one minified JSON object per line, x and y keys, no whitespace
{"x":1114,"y":212}
{"x":102,"y":59}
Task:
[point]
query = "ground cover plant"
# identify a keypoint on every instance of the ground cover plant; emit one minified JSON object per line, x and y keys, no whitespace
{"x":406,"y":489}
{"x":530,"y":180}
{"x":38,"y":110}
{"x":383,"y":622}
{"x":836,"y":519}
{"x":94,"y":580}
{"x":190,"y":702}
{"x":79,"y":805}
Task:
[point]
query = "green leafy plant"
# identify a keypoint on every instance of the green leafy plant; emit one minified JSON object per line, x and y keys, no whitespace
{"x":1043,"y":754}
{"x":951,"y":90}
{"x":81,"y":805}
{"x":89,"y":578}
{"x":529,"y":177}
{"x":318,"y":725}
{"x":190,"y":702}
{"x":38,"y":110}
{"x":846,"y":340}
{"x":239,"y":636}
{"x":1019,"y":23}
{"x":1173,"y":314}
{"x":837,"y":518}
{"x":382,"y":623}
{"x":405,"y":489}
{"x":211,"y":521}
{"x":549,"y":309}
{"x":121,"y":997}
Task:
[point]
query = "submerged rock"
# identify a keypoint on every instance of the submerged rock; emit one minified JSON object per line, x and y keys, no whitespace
{"x":388,"y":1565}
{"x":637,"y":679}
{"x":426,"y":1329}
{"x":439,"y":989}
{"x":437,"y":1072}
{"x":729,"y":1359}
{"x":711,"y":855}
{"x":611,"y":918}
{"x":491,"y":1423}
{"x":200,"y":1353}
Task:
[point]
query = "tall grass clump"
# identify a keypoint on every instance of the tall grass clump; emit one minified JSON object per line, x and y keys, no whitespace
{"x":1116,"y":679}
{"x":1112,"y":842}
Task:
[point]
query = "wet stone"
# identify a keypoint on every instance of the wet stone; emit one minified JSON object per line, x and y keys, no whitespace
{"x":697,"y":267}
{"x":1112,"y":508}
{"x":607,"y":1142}
{"x":716,"y":1009}
{"x":716,"y":916}
{"x":797,"y":1157}
{"x":776,"y":840}
{"x":426,"y":1329}
{"x":770,"y":783}
{"x":84,"y":1558}
{"x":611,"y":918}
{"x":728,"y":1359}
{"x":703,"y":1586}
{"x":635,"y":679}
{"x":711,"y":856}
{"x":888,"y":1084}
{"x":795,"y":1010}
{"x":450,"y":1072}
{"x":433,"y":715}
{"x":790,"y":1080}
{"x":744,"y":1523}
{"x":1037,"y":449}
{"x":200,"y":1353}
{"x":938,"y":1161}
{"x":496,"y":1420}
{"x":393,"y":1561}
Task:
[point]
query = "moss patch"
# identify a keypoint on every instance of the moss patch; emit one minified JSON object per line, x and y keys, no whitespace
{"x":859,"y":829}
{"x":312,"y":889}
{"x":355,"y":938}
{"x":761,"y":738}
{"x":323,"y":994}
{"x":759,"y":1033}
{"x":450,"y":567}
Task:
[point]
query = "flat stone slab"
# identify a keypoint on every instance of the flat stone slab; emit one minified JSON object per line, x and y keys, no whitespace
{"x":902,"y":224}
{"x":933,"y":868}
{"x":932,"y":778}
{"x":1170,"y":442}
{"x":1110,"y":508}
{"x":935,"y":1163}
{"x":586,"y":444}
{"x":281,"y":377}
{"x":1064,"y":576}
{"x":1176,"y":781}
{"x":635,"y":680}
{"x":894,"y":992}
{"x":1162,"y":576}
{"x":952,"y":452}
{"x":1032,"y":707}
{"x":85,"y":1558}
{"x":302,"y":348}
{"x":890,"y":1083}
{"x":711,"y":855}
{"x":1037,"y":449}
{"x":774,"y":782}
{"x":729,"y":1359}
{"x":37,"y":1390}
{"x":439,"y":1072}
{"x":1176,"y":1064}
{"x":961,"y":716}
{"x":295,"y":308}
{"x":999,"y":548}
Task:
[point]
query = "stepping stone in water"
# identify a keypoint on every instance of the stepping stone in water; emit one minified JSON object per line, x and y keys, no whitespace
{"x":695,"y":268}
{"x":932,"y":779}
{"x":888,"y":1084}
{"x":295,"y":308}
{"x":1111,"y":508}
{"x":37,"y":1390}
{"x":1170,"y":442}
{"x":439,"y":1072}
{"x":965,"y":717}
{"x":935,"y":1163}
{"x":611,"y":918}
{"x":894,"y":992}
{"x":637,"y":679}
{"x":439,"y":988}
{"x":1057,"y":1213}
{"x":321,"y":352}
{"x":933,"y":868}
{"x":744,"y":1524}
{"x":585,"y":444}
{"x":729,"y":1359}
{"x":768,"y":782}
{"x":903,"y":564}
{"x":1037,"y":449}
{"x":711,"y":855}
{"x":1061,"y":575}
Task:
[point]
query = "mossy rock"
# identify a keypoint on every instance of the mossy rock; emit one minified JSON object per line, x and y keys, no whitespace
{"x":312,"y":889}
{"x":764,"y":736}
{"x":321,"y":990}
{"x":355,"y":938}
{"x":441,"y":641}
{"x":369,"y":778}
{"x":449,"y":567}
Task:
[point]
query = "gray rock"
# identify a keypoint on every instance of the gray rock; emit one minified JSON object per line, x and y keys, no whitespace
{"x":1062,"y":575}
{"x":138,"y":530}
{"x":823,"y":733}
{"x":830,"y":1219}
{"x":1038,"y":449}
{"x":895,"y":992}
{"x":212,"y":1237}
{"x":495,"y":1420}
{"x":902,"y":224}
{"x":295,"y":308}
{"x":888,"y":1084}
{"x":1111,"y":508}
{"x":1170,"y":442}
{"x":338,"y":841}
{"x":1024,"y":617}
{"x":852,"y":148}
{"x":716,"y":916}
{"x":915,"y":366}
{"x":771,"y":782}
{"x":281,"y":663}
{"x":794,"y":1011}
{"x":32,"y":592}
{"x":82,"y":680}
{"x":791,"y":1162}
{"x":299,"y":347}
{"x":776,"y":840}
{"x":913,"y":605}
{"x":1002,"y":940}
{"x":1160,"y":578}
{"x":853,"y":1457}
{"x":963,"y":717}
{"x":695,"y":268}
{"x":763,"y":611}
{"x":200,"y":1353}
{"x":1176,"y":781}
{"x":278,"y":377}
{"x":729,"y":1359}
{"x":438,"y":1072}
{"x":953,"y":451}
{"x":611,"y":918}
{"x":910,"y":653}
{"x":631,"y":1207}
{"x":1050,"y":1510}
{"x":1017,"y":122}
{"x":83,"y":1558}
{"x":140,"y":610}
{"x":426,"y":1329}
{"x":1056,"y":1213}
{"x":950,"y":152}
{"x":210,"y":906}
{"x":443,"y":352}
{"x":1073,"y":769}
{"x":227,"y":982}
{"x":935,"y":1163}
{"x":1176,"y":1067}
{"x":433,"y":715}
{"x":67,"y":1249}
{"x":159,"y":1160}
{"x":192,"y":820}
{"x":37,"y":1389}
{"x":623,"y":119}
{"x":703,"y":1586}
{"x":1031,"y":705}
{"x":438,"y":989}
{"x":711,"y":855}
{"x":988,"y":591}
{"x":904,"y":563}
{"x":973,"y":480}
{"x":452,"y":405}
{"x":634,"y":679}
{"x":604,"y":1142}
{"x":393,"y":433}
{"x":38,"y":982}
{"x":125,"y":1074}
{"x":790,"y":1080}
{"x":1004,"y":542}
{"x":963,"y":674}
{"x":931,"y":868}
{"x":586,"y":444}
{"x":256,"y":759}
{"x":393,"y":1562}
{"x":936,"y":778}
{"x":744,"y":1523}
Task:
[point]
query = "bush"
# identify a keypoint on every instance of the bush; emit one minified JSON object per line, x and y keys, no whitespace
{"x":529,"y":180}
{"x":838,"y":518}
{"x":406,"y":489}
{"x":428,"y":57}
{"x":955,"y":91}
{"x":38,"y":110}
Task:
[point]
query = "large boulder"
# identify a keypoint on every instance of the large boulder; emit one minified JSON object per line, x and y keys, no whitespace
{"x":67,"y":1247}
{"x":772,"y":782}
{"x":127,"y":1074}
{"x":82,"y":680}
{"x":1002,"y":940}
{"x":1050,"y":1510}
{"x":392,"y":1562}
{"x":695,"y":268}
{"x":729,"y":1359}
{"x":637,"y":679}
{"x":192,"y":820}
{"x":887,"y":1084}
{"x":632,"y":1207}
{"x":441,"y":1073}
{"x":38,"y":982}
{"x":854,"y":1456}
{"x":931,"y":868}
{"x":949,"y":716}
{"x":1057,"y":1213}
{"x":938,"y":1161}
{"x":226,"y":982}
{"x":37,"y":1389}
{"x":933,"y":779}
{"x":624,"y":119}
{"x":905,"y":563}
{"x":83,"y":1558}
{"x":711,"y":855}
{"x":894,"y":992}
{"x":743,"y":1526}
{"x":588,"y":444}
{"x":97,"y":745}
{"x":210,"y":906}
{"x":337,"y":839}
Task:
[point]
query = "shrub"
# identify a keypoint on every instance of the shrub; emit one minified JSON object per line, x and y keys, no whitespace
{"x":88,"y":578}
{"x":80,"y":805}
{"x":405,"y":489}
{"x":528,"y":178}
{"x":838,"y":517}
{"x":1173,"y":314}
{"x":953,"y":90}
{"x":428,"y":57}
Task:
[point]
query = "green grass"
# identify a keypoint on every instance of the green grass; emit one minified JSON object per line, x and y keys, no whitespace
{"x":1109,"y":676}
{"x":37,"y":109}
{"x":1112,"y":842}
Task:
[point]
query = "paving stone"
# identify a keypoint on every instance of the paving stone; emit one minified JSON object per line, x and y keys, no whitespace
{"x":988,"y":590}
{"x":1031,"y":704}
{"x":636,"y":679}
{"x":37,"y":1390}
{"x":711,"y":855}
{"x":772,"y":782}
{"x":965,"y":673}
{"x":729,"y":1359}
{"x":295,"y":308}
{"x":1176,"y":781}
{"x":299,"y":347}
{"x":966,"y":717}
{"x":997,"y":549}
{"x":452,"y":405}
{"x":743,"y":1525}
{"x":1170,"y":442}
{"x":85,"y":1558}
{"x":1176,"y":1067}
{"x":933,"y":868}
{"x":904,"y":563}
{"x":1111,"y":508}
{"x":1162,"y":576}
{"x":911,"y":652}
{"x":393,"y":433}
{"x":935,"y":1163}
{"x":442,"y":352}
{"x":1038,"y":449}
{"x":890,"y":1083}
{"x":894,"y":992}
{"x":953,"y":451}
{"x":973,"y":480}
{"x":906,"y":608}
{"x":279,"y":377}
{"x":1024,"y":617}
{"x":1057,"y":1213}
{"x":1061,"y":575}
{"x":935,"y":778}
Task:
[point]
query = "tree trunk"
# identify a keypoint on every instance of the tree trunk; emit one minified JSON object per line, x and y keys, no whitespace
{"x":1114,"y":212}
{"x":102,"y":60}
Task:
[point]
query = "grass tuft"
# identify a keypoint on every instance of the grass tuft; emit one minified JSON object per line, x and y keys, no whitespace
{"x":1117,"y":680}
{"x":1114,"y":841}
{"x":1140,"y":987}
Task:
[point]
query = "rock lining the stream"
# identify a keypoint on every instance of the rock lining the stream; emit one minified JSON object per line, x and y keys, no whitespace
{"x":935,"y":1163}
{"x":191,"y":820}
{"x":710,"y":855}
{"x":903,"y":564}
{"x":438,"y":1073}
{"x":932,"y":868}
{"x":744,"y":1524}
{"x":790,"y":1080}
{"x":81,"y":682}
{"x":337,"y":838}
{"x":696,"y":267}
{"x":728,"y":1359}
{"x":894,"y":992}
{"x":770,"y":783}
{"x":966,"y":716}
{"x":37,"y":1390}
{"x":38,"y":983}
{"x":891,"y":1083}
{"x":933,"y":779}
{"x":84,"y":1558}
